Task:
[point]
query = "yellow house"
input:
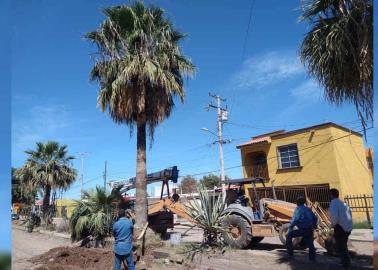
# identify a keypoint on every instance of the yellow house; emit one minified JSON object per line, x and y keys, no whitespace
{"x":309,"y":161}
{"x":65,"y":207}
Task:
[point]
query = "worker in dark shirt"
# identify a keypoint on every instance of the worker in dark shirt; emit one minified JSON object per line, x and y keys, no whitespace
{"x":305,"y":221}
{"x":123,"y":244}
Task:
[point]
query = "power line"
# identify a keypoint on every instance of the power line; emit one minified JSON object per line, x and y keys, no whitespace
{"x":86,"y":182}
{"x":248,"y":27}
{"x":299,"y":150}
{"x":268,"y":127}
{"x":131,"y":171}
{"x":179,"y":153}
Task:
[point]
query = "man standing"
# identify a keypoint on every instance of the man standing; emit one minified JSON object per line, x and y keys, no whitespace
{"x":123,"y":245}
{"x":341,"y":219}
{"x":305,"y":221}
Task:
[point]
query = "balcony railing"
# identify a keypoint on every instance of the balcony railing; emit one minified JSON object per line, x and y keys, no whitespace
{"x":259,"y":171}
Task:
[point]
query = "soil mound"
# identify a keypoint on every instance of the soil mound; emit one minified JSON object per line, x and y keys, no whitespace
{"x":74,"y":258}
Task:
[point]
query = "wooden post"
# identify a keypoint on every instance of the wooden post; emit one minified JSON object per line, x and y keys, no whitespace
{"x":367,"y":211}
{"x":274,"y":191}
{"x":284,"y":194}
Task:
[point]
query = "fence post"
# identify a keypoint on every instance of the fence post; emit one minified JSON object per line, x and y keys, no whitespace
{"x":274,"y":190}
{"x":367,"y":211}
{"x":305,"y":190}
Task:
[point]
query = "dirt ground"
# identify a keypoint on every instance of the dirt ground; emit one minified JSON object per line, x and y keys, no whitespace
{"x":26,"y":245}
{"x":31,"y":252}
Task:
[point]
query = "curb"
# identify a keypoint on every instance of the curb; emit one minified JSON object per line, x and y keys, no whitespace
{"x":41,"y":231}
{"x":56,"y":234}
{"x":361,"y":240}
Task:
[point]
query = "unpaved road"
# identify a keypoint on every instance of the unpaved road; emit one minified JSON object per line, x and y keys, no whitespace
{"x":268,"y":255}
{"x":27,"y":245}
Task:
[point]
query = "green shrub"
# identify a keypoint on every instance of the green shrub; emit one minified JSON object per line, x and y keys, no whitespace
{"x":362,"y":225}
{"x":5,"y":261}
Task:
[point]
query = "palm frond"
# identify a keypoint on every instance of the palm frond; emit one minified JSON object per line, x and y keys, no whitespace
{"x":140,"y":67}
{"x":338,"y":51}
{"x":94,"y":214}
{"x":47,"y":165}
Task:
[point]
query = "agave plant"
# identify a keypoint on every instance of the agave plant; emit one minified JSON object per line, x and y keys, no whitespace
{"x":93,"y":216}
{"x":208,"y":212}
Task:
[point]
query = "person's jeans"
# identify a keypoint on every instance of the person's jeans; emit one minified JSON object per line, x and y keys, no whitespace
{"x":307,"y":235}
{"x":119,"y":258}
{"x":341,"y":238}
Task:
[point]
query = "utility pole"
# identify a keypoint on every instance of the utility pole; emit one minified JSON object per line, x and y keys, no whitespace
{"x":222,"y":114}
{"x":82,"y":156}
{"x":105,"y":174}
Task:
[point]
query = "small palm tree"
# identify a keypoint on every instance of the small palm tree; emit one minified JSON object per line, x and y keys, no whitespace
{"x":140,"y":69}
{"x":47,"y":168}
{"x":338,"y":51}
{"x":208,"y":213}
{"x":93,"y":216}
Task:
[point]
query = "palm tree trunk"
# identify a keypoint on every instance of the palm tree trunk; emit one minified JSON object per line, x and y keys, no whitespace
{"x":46,"y":202}
{"x":141,"y":174}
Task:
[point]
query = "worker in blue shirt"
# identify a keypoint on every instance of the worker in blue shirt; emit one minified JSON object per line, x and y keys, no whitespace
{"x":123,"y":244}
{"x":305,"y":221}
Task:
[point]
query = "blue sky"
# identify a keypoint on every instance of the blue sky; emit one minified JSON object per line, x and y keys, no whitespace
{"x":266,"y":86}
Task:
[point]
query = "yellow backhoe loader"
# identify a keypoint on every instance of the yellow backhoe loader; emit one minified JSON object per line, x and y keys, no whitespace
{"x":246,"y":222}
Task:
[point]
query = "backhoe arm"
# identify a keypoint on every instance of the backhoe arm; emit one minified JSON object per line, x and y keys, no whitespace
{"x":174,"y":207}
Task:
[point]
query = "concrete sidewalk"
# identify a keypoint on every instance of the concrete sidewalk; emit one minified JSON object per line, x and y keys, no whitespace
{"x":362,"y":235}
{"x":42,"y":231}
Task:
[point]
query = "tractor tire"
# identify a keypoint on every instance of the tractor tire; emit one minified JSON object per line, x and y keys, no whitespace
{"x":256,"y":240}
{"x":237,"y":231}
{"x":162,"y":231}
{"x":284,"y":229}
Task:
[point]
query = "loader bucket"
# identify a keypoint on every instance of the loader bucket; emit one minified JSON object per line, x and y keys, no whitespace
{"x":327,"y":242}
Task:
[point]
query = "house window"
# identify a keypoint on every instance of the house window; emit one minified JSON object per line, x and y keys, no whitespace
{"x":288,"y":156}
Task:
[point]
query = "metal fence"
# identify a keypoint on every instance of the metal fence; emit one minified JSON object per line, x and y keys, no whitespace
{"x":319,"y":193}
{"x":362,"y":204}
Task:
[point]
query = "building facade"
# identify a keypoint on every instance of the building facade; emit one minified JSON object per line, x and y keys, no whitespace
{"x":310,"y":161}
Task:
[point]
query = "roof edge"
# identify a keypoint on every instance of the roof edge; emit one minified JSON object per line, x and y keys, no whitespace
{"x":282,"y":133}
{"x":317,"y":126}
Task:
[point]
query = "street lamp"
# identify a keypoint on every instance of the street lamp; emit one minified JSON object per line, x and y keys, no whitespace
{"x":208,"y":130}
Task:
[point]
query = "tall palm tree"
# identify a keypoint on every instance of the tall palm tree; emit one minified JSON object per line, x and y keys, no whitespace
{"x":140,"y":69}
{"x":48,"y":168}
{"x":338,"y":51}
